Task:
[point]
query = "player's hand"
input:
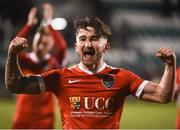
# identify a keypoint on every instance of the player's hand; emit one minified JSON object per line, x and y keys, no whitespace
{"x":32,"y":19}
{"x":17,"y":44}
{"x":47,"y":11}
{"x":167,"y":55}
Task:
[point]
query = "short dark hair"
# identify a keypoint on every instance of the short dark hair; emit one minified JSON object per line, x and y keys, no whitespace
{"x":101,"y":29}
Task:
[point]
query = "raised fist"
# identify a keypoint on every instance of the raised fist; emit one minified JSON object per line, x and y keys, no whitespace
{"x":17,"y":45}
{"x":167,"y":55}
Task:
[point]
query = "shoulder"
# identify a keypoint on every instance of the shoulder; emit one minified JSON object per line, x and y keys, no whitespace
{"x":60,"y":71}
{"x":178,"y":70}
{"x":73,"y":68}
{"x":121,"y":72}
{"x":115,"y":70}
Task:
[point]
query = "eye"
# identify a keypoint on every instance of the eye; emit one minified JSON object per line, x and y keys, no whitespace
{"x":94,"y":38}
{"x":82,"y":39}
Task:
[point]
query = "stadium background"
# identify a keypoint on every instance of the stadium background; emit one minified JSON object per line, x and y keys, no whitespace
{"x":139,"y":28}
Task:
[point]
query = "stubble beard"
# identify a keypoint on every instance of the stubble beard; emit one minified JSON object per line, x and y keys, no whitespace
{"x":92,"y":65}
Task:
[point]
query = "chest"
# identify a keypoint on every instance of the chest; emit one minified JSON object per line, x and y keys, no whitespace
{"x":90,"y":93}
{"x":93,"y":87}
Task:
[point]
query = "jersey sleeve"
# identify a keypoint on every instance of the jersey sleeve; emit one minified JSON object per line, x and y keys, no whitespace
{"x":60,"y":44}
{"x":50,"y":81}
{"x":24,"y":31}
{"x":178,"y":76}
{"x":24,"y":61}
{"x":177,"y":86}
{"x":135,"y":83}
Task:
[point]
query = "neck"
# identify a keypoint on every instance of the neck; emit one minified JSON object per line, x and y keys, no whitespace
{"x":42,"y":57}
{"x":93,"y":68}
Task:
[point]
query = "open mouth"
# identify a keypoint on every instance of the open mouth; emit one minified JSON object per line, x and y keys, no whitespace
{"x":89,"y":52}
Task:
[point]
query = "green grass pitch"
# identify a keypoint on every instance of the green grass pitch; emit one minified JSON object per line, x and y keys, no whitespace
{"x":136,"y":115}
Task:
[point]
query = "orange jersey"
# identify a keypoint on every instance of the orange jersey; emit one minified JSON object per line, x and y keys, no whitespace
{"x":37,"y":111}
{"x":88,"y":100}
{"x":34,"y":111}
{"x":178,"y":76}
{"x":178,"y":100}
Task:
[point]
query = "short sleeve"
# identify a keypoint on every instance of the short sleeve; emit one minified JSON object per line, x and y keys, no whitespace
{"x":51,"y":80}
{"x":135,"y":83}
{"x":178,"y":76}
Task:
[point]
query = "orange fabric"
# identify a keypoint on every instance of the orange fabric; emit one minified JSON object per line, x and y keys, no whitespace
{"x":33,"y":111}
{"x":178,"y":120}
{"x":24,"y":31}
{"x":37,"y":111}
{"x":91,"y":101}
{"x":178,"y":85}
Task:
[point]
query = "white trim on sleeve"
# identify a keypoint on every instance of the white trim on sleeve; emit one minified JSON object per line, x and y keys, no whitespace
{"x":140,"y":88}
{"x":41,"y":83}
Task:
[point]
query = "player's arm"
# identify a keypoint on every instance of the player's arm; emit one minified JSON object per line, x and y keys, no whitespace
{"x":163,"y":91}
{"x":14,"y":79}
{"x":60,"y":42}
{"x":32,"y":20}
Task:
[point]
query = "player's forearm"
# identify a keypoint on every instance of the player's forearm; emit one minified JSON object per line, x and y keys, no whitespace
{"x":60,"y":42}
{"x":12,"y":72}
{"x":61,"y":46}
{"x":24,"y":31}
{"x":167,"y":83}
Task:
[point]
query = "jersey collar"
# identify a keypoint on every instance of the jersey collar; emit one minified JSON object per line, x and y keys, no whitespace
{"x":90,"y":72}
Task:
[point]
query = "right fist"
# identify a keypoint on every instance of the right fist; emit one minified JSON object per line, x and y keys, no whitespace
{"x":17,"y":45}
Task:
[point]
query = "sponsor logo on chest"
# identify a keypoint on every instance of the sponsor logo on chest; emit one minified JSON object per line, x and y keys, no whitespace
{"x":91,"y":106}
{"x":89,"y":103}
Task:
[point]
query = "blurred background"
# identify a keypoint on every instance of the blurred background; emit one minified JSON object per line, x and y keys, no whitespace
{"x":139,"y":28}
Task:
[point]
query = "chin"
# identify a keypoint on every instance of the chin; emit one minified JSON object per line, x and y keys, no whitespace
{"x":88,"y":63}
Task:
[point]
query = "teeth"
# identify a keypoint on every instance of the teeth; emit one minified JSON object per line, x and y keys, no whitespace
{"x":88,"y":56}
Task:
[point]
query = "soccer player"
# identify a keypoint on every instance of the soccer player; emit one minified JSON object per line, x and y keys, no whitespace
{"x":37,"y":111}
{"x":91,"y":94}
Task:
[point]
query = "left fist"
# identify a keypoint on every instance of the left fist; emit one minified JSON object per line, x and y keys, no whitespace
{"x":167,"y":55}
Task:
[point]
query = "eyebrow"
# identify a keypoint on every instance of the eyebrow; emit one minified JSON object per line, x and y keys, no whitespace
{"x":94,"y":36}
{"x":82,"y":36}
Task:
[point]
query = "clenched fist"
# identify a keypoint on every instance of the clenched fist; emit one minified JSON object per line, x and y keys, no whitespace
{"x":167,"y":55}
{"x":17,"y":45}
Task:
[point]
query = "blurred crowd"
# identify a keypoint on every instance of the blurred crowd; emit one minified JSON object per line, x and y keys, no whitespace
{"x":139,"y":28}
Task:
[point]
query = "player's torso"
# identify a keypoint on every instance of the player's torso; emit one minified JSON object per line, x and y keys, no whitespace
{"x":44,"y":102}
{"x":30,"y":64}
{"x":96,"y":99}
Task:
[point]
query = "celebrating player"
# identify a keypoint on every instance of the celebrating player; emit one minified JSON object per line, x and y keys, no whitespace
{"x":91,"y":94}
{"x":37,"y":111}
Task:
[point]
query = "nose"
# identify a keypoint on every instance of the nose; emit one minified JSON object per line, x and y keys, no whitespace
{"x":40,"y":47}
{"x":88,"y":44}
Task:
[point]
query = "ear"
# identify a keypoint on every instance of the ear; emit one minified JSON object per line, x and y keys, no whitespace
{"x":106,"y":47}
{"x":75,"y":47}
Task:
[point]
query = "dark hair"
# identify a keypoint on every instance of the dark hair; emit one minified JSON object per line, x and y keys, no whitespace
{"x":101,"y":29}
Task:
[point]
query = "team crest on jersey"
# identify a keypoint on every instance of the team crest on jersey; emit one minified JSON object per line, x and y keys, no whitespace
{"x":75,"y":102}
{"x":108,"y":80}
